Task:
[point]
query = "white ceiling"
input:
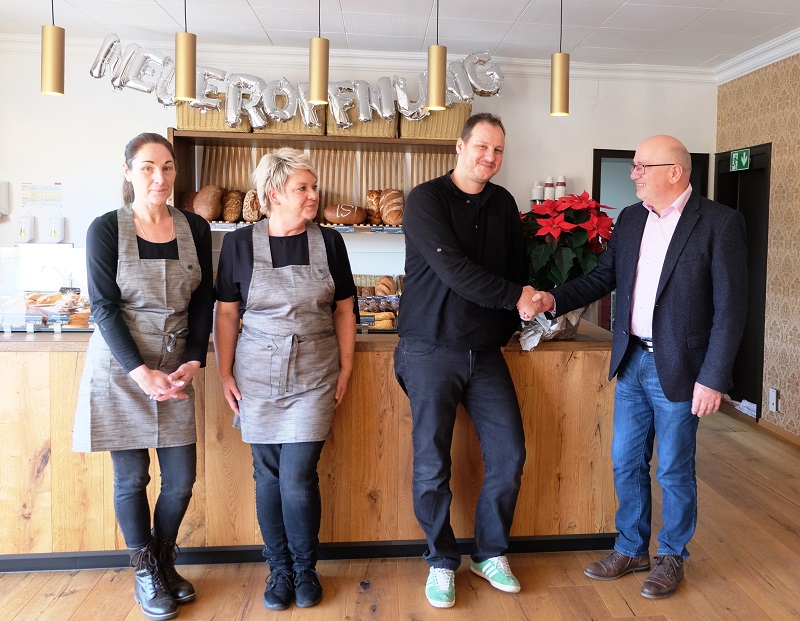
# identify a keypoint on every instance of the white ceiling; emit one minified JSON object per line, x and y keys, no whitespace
{"x":679,"y":33}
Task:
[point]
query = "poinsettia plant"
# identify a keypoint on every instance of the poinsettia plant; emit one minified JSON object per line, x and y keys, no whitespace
{"x":564,"y":237}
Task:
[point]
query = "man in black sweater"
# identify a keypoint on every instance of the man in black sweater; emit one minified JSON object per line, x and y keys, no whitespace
{"x":464,"y":288}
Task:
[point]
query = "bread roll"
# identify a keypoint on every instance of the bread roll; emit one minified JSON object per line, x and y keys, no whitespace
{"x":391,"y":203}
{"x":208,"y":202}
{"x":232,"y":202}
{"x":187,"y":200}
{"x":385,"y":286}
{"x":251,"y":207}
{"x":373,"y":206}
{"x":345,"y":214}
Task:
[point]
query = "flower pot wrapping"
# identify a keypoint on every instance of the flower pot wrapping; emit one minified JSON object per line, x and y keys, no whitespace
{"x":544,"y":329}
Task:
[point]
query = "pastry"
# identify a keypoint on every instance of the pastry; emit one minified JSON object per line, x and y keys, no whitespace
{"x":208,"y":202}
{"x":345,"y":214}
{"x":373,"y":207}
{"x":232,"y":202}
{"x":251,"y":207}
{"x":385,"y":286}
{"x":391,"y":203}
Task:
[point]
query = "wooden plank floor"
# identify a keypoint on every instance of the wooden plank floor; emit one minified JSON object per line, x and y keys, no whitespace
{"x":745,"y":565}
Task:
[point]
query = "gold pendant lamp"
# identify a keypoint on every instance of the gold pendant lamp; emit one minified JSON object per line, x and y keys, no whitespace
{"x":185,"y":63}
{"x":559,"y":76}
{"x":52,"y":57}
{"x":437,"y":68}
{"x":319,"y":50}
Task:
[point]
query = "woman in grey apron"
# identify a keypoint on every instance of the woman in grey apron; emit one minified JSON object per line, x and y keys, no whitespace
{"x":151,"y":292}
{"x":290,"y":282}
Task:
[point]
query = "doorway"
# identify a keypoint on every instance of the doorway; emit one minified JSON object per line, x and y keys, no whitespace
{"x":747,"y":191}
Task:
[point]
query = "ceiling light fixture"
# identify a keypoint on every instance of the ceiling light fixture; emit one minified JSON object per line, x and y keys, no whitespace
{"x":185,"y":63}
{"x":559,"y":76}
{"x":52,"y":57}
{"x":319,"y":50}
{"x":437,"y":68}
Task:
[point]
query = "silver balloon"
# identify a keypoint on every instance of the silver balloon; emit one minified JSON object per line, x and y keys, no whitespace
{"x":340,"y":103}
{"x":126,"y":66}
{"x":413,"y":111}
{"x":489,"y":81}
{"x":107,"y":56}
{"x":271,"y":92}
{"x":202,"y":101}
{"x":165,"y":87}
{"x":146,"y":70}
{"x":240,"y":84}
{"x":458,"y":87}
{"x":308,"y":111}
{"x":381,"y":99}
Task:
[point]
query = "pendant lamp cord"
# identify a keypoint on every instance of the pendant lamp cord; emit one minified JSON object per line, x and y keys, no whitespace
{"x":53,"y":11}
{"x":561,"y":26}
{"x":319,"y":16}
{"x":437,"y":22}
{"x":185,"y":23}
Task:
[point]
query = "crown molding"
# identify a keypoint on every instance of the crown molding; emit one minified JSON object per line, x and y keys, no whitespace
{"x":766,"y":54}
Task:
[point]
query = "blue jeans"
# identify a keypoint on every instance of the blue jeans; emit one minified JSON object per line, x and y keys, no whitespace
{"x":178,"y":465}
{"x":288,"y":503}
{"x":642,"y":413}
{"x":436,"y":379}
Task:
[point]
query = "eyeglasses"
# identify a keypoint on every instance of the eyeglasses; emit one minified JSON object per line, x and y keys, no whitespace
{"x":640,"y":169}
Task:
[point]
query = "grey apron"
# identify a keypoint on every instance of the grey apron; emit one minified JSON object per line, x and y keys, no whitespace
{"x":113,"y":413}
{"x":287,"y":357}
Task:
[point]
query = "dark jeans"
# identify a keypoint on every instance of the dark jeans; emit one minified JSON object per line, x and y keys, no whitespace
{"x":178,"y":466}
{"x":436,"y":379}
{"x":288,"y":505}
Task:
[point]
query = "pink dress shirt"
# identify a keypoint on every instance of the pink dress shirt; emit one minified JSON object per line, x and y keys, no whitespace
{"x":655,"y":241}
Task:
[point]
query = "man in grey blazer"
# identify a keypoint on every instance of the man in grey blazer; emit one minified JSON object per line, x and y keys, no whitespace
{"x":678,"y":263}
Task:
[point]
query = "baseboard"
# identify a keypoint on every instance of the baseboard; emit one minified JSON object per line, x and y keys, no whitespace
{"x":252,"y":554}
{"x":765,"y":425}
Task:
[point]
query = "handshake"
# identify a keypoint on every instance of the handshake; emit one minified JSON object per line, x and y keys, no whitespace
{"x":533,"y":302}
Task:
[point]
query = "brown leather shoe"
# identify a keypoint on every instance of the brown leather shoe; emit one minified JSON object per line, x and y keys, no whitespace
{"x":616,"y":565}
{"x":664,"y":579}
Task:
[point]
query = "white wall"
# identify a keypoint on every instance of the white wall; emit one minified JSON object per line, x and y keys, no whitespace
{"x":79,"y":139}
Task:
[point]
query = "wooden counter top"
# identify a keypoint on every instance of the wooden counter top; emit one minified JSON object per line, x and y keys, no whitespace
{"x":589,"y":338}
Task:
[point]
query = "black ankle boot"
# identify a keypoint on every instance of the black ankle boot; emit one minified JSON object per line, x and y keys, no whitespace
{"x":166,"y":552}
{"x":150,"y":590}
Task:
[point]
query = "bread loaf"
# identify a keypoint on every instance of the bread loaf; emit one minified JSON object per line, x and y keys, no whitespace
{"x":187,"y":201}
{"x":345,"y":214}
{"x":232,"y":202}
{"x":385,"y":286}
{"x":383,"y":321}
{"x":251,"y":207}
{"x":373,"y":206}
{"x":391,"y":203}
{"x":208,"y":202}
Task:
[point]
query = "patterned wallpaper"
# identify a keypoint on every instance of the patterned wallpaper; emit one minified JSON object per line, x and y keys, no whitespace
{"x":762,"y":107}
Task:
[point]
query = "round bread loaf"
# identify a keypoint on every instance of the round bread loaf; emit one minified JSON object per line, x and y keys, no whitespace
{"x":345,"y":214}
{"x":208,"y":202}
{"x":383,"y":321}
{"x":385,"y":286}
{"x":251,"y":207}
{"x":187,"y":200}
{"x":232,"y":202}
{"x":373,"y":206}
{"x":391,"y":203}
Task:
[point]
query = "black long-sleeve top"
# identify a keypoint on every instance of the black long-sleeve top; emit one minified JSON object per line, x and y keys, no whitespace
{"x":235,"y":269}
{"x":465,"y":265}
{"x":102,"y":254}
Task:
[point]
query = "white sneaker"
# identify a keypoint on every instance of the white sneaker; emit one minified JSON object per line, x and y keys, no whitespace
{"x":440,"y":589}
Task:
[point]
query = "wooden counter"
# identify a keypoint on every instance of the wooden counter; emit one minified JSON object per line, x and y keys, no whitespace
{"x":55,"y":501}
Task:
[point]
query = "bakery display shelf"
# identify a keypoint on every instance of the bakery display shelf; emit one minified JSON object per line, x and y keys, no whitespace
{"x":383,"y":229}
{"x":228,"y":226}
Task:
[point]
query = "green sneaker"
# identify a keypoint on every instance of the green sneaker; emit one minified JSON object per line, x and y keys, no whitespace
{"x":440,"y":589}
{"x":498,"y":573}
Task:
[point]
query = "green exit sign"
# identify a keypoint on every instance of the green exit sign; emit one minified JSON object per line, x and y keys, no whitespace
{"x":740,"y":160}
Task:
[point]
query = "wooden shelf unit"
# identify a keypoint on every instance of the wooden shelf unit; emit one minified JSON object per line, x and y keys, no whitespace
{"x":348,"y":165}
